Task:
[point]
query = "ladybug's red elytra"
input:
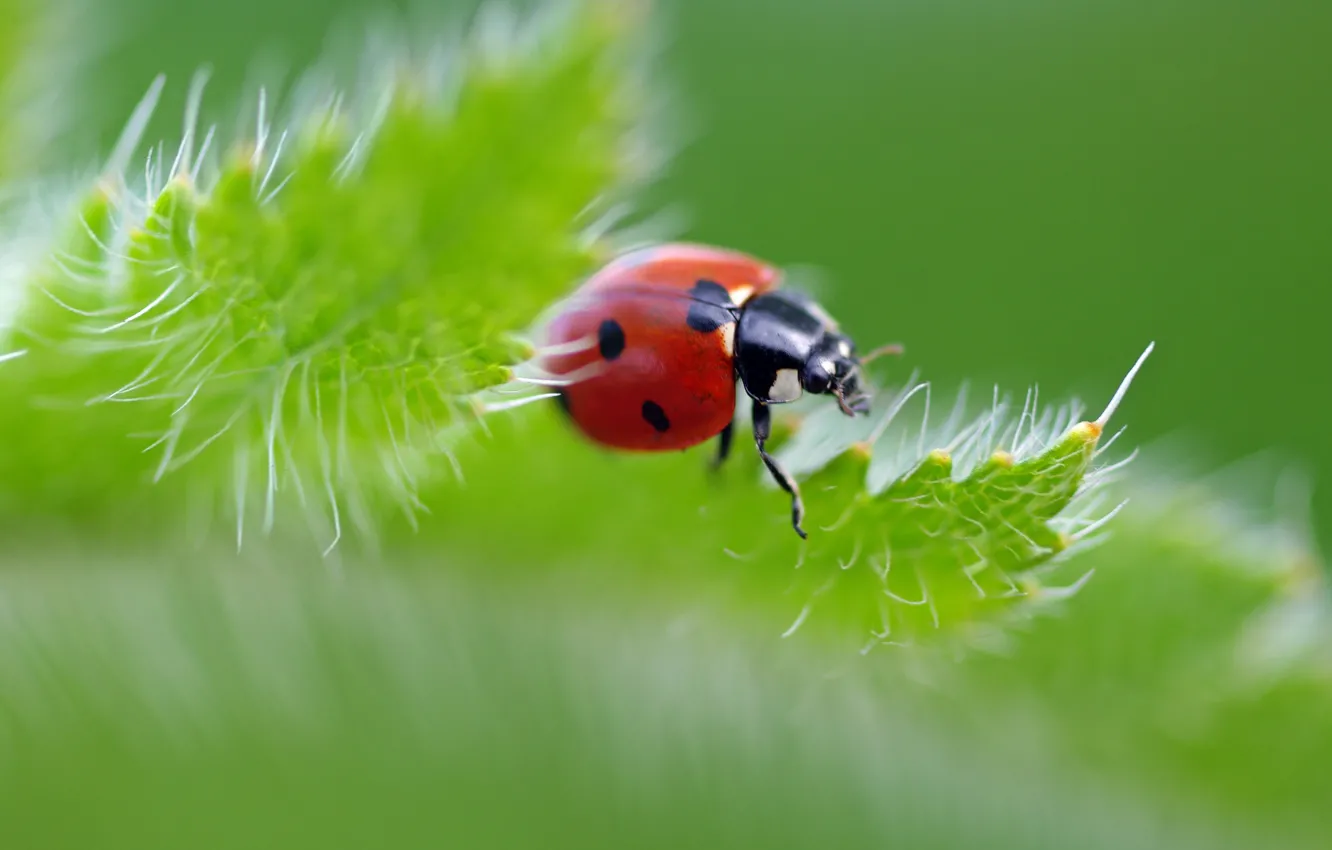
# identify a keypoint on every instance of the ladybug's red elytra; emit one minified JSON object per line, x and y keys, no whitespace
{"x":666,"y":332}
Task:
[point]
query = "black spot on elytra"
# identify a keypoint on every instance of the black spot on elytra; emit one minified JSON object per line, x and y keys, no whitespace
{"x":711,"y":308}
{"x":656,"y":417}
{"x":610,"y":339}
{"x":712,"y":292}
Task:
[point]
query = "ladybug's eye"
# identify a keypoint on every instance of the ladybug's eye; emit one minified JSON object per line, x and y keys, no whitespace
{"x":819,"y":373}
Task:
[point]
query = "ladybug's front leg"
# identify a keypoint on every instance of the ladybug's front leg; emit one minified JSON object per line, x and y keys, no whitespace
{"x":763,"y":430}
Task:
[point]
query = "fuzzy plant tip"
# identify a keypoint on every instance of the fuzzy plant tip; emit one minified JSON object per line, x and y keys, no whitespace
{"x":951,"y":526}
{"x":298,"y":316}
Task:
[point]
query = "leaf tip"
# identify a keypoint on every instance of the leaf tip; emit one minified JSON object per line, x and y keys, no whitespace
{"x":243,"y":156}
{"x":1061,"y":542}
{"x":1123,"y":388}
{"x":1087,"y":432}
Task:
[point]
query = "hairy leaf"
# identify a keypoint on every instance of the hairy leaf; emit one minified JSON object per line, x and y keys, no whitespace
{"x":296,"y":317}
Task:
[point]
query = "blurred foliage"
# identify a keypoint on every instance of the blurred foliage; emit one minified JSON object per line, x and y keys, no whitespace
{"x":17,"y":16}
{"x":569,"y":688}
{"x":308,"y":309}
{"x":569,"y":647}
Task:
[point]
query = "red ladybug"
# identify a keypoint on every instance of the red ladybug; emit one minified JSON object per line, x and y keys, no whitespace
{"x":652,"y":345}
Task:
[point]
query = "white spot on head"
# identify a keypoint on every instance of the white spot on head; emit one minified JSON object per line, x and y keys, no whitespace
{"x":844,"y":348}
{"x":741,"y":294}
{"x":728,"y":338}
{"x":786,"y":387}
{"x":828,"y":366}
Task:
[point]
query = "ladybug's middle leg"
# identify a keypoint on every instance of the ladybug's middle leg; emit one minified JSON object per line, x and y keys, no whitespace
{"x":763,"y":430}
{"x":724,"y":444}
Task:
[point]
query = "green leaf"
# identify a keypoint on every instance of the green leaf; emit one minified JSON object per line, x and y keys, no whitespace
{"x":946,"y":528}
{"x":295,"y":319}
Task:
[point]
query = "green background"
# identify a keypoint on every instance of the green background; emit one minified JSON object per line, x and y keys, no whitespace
{"x":1097,"y":174}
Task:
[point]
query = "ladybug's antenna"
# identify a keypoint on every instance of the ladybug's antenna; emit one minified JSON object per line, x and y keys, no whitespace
{"x":857,"y":403}
{"x":882,"y":351}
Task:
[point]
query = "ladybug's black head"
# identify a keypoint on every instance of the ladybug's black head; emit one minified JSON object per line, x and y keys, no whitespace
{"x":833,"y":369}
{"x":786,"y":346}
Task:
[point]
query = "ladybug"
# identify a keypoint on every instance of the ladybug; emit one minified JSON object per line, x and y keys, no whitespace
{"x":648,"y":351}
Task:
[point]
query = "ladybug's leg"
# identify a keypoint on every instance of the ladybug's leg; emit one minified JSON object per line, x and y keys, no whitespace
{"x":724,"y":444}
{"x":763,"y":430}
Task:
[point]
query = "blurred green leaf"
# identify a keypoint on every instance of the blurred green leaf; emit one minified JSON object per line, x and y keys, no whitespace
{"x":231,"y":704}
{"x":308,"y":310}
